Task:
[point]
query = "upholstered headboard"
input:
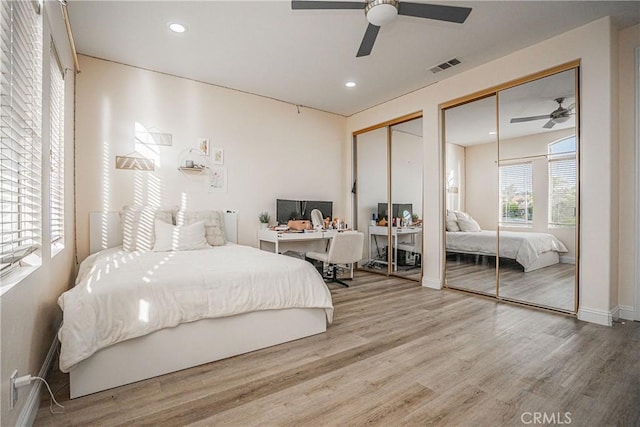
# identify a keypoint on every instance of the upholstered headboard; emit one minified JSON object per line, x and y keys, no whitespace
{"x":105,"y":230}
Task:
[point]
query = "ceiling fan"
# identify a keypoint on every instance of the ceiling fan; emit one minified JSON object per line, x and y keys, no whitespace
{"x":380,"y":12}
{"x":559,"y":115}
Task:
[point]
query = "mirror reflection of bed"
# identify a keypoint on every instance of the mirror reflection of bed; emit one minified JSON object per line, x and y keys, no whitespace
{"x":511,"y":194}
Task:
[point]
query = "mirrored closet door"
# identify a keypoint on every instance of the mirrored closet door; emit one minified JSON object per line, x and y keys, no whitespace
{"x":512,"y":176}
{"x":388,"y":196}
{"x":538,"y":191}
{"x":371,"y":198}
{"x":406,"y":198}
{"x":471,"y":152}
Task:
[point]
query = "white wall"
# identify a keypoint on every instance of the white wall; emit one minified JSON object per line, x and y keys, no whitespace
{"x":455,"y":174}
{"x":406,"y":170}
{"x":481,"y":183}
{"x":592,"y":44}
{"x":270,"y":151}
{"x":29,"y":311}
{"x":628,"y":174}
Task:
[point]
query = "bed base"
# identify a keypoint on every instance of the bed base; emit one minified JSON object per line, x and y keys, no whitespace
{"x":192,"y":344}
{"x":545,"y":259}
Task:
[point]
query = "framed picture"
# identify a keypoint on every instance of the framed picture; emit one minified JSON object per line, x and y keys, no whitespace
{"x":217,"y":180}
{"x":217,"y":156}
{"x":203,"y":146}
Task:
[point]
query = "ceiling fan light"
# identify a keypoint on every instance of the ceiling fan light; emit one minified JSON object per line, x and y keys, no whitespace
{"x":380,"y":12}
{"x":561,"y":119}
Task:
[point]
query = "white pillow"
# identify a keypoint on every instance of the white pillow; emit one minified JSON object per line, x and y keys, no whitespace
{"x":213,"y":224}
{"x":469,"y":225}
{"x":462,"y":215}
{"x":138,"y":232}
{"x":179,"y":237}
{"x":452,"y":221}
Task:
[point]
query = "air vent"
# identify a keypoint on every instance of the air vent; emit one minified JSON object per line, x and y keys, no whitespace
{"x":450,"y":63}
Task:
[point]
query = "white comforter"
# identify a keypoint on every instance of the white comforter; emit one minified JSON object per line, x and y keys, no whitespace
{"x":522,"y":246}
{"x":122,"y":295}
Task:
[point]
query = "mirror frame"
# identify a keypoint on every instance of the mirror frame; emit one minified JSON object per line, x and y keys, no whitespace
{"x":354,"y":150}
{"x":494,"y":90}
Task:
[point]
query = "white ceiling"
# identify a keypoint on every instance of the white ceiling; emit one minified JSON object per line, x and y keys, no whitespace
{"x":471,"y":123}
{"x":305,"y":57}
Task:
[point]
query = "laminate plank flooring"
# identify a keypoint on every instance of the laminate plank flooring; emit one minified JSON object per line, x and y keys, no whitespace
{"x":552,"y":286}
{"x":396,"y":354}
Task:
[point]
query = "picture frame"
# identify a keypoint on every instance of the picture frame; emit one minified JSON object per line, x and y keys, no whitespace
{"x":217,"y":182}
{"x":217,"y":156}
{"x":203,"y":146}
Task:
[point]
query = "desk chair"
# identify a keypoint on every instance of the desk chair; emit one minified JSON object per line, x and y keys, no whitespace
{"x":345,"y":248}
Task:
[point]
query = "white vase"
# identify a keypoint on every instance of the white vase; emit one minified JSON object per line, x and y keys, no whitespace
{"x":264,"y":226}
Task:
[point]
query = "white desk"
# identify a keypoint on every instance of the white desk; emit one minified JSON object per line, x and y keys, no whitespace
{"x":281,"y":242}
{"x":284,"y":241}
{"x":413,"y":246}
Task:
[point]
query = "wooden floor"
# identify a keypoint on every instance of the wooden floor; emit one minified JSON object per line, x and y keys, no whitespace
{"x":396,"y":354}
{"x":552,"y":286}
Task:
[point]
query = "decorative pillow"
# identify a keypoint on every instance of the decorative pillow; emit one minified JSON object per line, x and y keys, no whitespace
{"x":213,"y":224}
{"x":462,"y":215}
{"x":469,"y":225}
{"x":179,"y":237}
{"x":138,"y":233}
{"x":452,"y":221}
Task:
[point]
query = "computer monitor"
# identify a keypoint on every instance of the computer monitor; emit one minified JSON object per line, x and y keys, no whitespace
{"x":397,"y":210}
{"x":301,"y":209}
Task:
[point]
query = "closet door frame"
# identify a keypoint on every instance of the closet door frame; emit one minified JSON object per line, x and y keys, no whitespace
{"x":354,"y":140}
{"x":494,"y":91}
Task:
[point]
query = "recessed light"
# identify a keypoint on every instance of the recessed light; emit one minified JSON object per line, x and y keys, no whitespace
{"x":492,"y":133}
{"x":177,"y":28}
{"x":350,"y":84}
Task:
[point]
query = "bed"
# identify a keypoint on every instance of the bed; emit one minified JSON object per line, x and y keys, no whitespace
{"x":137,"y":315}
{"x":531,"y":250}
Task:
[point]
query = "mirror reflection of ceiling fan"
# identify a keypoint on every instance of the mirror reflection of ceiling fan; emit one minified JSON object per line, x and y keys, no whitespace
{"x":559,"y":115}
{"x":380,"y":12}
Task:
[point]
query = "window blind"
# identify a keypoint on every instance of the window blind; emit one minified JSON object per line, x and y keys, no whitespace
{"x":20,"y":130}
{"x":562,"y":191}
{"x":516,"y":193}
{"x":56,"y":174}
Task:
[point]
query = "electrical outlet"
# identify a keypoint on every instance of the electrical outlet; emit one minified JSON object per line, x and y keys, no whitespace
{"x":13,"y":393}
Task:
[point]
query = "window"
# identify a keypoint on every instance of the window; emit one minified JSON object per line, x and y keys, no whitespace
{"x":562,"y":182}
{"x":56,"y":206}
{"x":516,"y":194}
{"x":20,"y":130}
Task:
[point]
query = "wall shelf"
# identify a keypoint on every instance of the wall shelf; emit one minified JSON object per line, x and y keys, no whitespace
{"x":193,"y":170}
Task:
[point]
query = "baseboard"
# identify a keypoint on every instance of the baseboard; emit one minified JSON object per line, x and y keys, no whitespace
{"x":626,"y":312}
{"x":431,"y":283}
{"x":30,"y":409}
{"x":593,"y":315}
{"x":567,"y":259}
{"x":615,"y":313}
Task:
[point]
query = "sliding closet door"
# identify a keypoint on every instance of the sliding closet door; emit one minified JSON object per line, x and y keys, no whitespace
{"x":538,"y":191}
{"x":471,"y":196}
{"x":406,"y":198}
{"x":372,"y":198}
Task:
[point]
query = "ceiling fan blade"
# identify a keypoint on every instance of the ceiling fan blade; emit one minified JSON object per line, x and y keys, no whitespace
{"x":368,"y":40}
{"x":309,"y":5}
{"x":435,"y":11}
{"x":529,"y":119}
{"x":551,"y":123}
{"x":571,"y":107}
